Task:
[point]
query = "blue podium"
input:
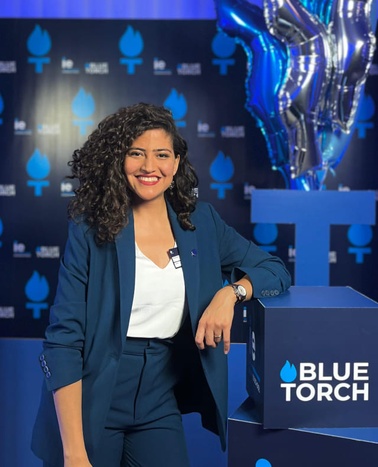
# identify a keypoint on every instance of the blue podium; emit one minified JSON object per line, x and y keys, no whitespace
{"x":312,"y":380}
{"x":312,"y":358}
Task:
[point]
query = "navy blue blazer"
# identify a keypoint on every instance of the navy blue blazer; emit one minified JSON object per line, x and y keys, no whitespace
{"x":91,"y":311}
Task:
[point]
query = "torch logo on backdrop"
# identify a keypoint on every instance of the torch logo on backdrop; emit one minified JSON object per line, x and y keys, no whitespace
{"x":222,"y":170}
{"x":37,"y":291}
{"x":38,"y":168}
{"x":223,"y":47}
{"x":360,"y":236}
{"x":265,"y":235}
{"x":365,"y":116}
{"x":321,"y":381}
{"x":131,"y":46}
{"x":177,"y":104}
{"x":39,"y":44}
{"x":83,"y":106}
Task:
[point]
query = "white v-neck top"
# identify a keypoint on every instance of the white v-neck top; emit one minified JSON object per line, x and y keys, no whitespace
{"x":159,"y":299}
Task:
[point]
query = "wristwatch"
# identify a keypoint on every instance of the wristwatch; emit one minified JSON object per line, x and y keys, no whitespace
{"x":240,"y":293}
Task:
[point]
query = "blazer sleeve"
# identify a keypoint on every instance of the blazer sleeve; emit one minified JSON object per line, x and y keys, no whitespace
{"x":240,"y":256}
{"x":62,"y":356}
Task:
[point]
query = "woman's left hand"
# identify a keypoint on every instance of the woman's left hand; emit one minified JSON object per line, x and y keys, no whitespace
{"x":216,"y":321}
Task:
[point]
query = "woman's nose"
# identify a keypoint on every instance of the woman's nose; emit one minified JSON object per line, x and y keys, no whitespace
{"x":148,"y":164}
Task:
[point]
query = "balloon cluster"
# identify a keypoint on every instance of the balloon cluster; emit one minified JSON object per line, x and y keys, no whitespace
{"x":308,"y":61}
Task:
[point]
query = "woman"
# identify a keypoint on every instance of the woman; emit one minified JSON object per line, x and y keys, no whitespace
{"x":140,"y":310}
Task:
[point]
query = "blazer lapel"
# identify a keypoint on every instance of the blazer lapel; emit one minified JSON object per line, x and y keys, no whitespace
{"x":125,"y":245}
{"x":187,"y":245}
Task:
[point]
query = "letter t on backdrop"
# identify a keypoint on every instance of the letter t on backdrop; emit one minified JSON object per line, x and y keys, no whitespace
{"x":312,"y":212}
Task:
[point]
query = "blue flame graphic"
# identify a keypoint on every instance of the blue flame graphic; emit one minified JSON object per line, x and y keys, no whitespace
{"x":1,"y":227}
{"x":263,"y":463}
{"x":1,"y":103}
{"x":131,"y":43}
{"x":222,"y":168}
{"x":367,"y":109}
{"x":360,"y":235}
{"x":83,"y":104}
{"x":265,"y":233}
{"x":288,"y":372}
{"x":176,"y":103}
{"x":37,"y":288}
{"x":223,"y":46}
{"x":38,"y":166}
{"x":39,"y":42}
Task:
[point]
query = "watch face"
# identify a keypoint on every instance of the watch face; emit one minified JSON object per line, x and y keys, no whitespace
{"x":242,"y":291}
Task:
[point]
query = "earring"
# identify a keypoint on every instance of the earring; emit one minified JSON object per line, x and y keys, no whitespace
{"x":171,"y":186}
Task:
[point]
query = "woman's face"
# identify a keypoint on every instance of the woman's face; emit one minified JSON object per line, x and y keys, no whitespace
{"x":150,"y":165}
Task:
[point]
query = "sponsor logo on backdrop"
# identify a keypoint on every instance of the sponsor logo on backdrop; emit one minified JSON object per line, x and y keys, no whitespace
{"x":204,"y":131}
{"x":47,"y":252}
{"x":21,"y":128}
{"x":223,"y":48}
{"x":7,"y":312}
{"x":233,"y":131}
{"x":177,"y":104}
{"x":19,"y":250}
{"x":97,"y":68}
{"x":83,"y":106}
{"x":37,"y":290}
{"x":8,"y":190}
{"x":39,"y":45}
{"x":360,"y":236}
{"x":189,"y":69}
{"x":1,"y":231}
{"x":321,"y":381}
{"x":1,"y":108}
{"x":221,"y":171}
{"x":38,"y":168}
{"x":9,"y":66}
{"x":48,"y":129}
{"x":265,"y":235}
{"x":291,"y":254}
{"x":131,"y":45}
{"x":66,"y":188}
{"x":160,"y":67}
{"x":68,"y":66}
{"x":365,"y":120}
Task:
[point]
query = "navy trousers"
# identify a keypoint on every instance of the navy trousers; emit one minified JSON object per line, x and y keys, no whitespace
{"x":144,"y":426}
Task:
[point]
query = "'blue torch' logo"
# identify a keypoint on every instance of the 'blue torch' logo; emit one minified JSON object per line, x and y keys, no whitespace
{"x":39,"y":44}
{"x":83,"y":106}
{"x":131,"y":45}
{"x":223,"y":47}
{"x":221,"y":170}
{"x":176,"y":103}
{"x":38,"y":168}
{"x":37,"y":290}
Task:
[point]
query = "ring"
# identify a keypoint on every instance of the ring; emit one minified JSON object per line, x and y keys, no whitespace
{"x":217,"y":337}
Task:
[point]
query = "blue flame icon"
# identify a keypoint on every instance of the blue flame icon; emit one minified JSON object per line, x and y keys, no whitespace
{"x":263,"y":463}
{"x":176,"y":103}
{"x":366,"y":112}
{"x":1,"y":107}
{"x":37,"y":290}
{"x":221,"y":170}
{"x":131,"y":45}
{"x":265,"y":235}
{"x":39,"y":44}
{"x":83,"y":106}
{"x":38,"y":168}
{"x":223,"y":47}
{"x":288,"y":372}
{"x":360,"y":236}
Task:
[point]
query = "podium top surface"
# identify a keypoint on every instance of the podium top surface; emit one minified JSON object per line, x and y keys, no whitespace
{"x":319,"y":297}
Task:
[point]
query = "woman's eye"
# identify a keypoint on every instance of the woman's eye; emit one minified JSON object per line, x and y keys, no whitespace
{"x":163,"y":155}
{"x":135,"y":153}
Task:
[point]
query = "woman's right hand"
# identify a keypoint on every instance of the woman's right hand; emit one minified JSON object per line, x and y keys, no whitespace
{"x":78,"y":462}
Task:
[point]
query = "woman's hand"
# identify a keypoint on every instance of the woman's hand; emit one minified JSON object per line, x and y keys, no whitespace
{"x":84,"y":462}
{"x":215,"y":323}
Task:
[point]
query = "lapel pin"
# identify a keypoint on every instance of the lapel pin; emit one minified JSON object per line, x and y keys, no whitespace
{"x":193,"y":252}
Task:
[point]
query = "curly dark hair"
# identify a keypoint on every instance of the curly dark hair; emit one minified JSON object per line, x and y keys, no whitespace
{"x":103,"y":198}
